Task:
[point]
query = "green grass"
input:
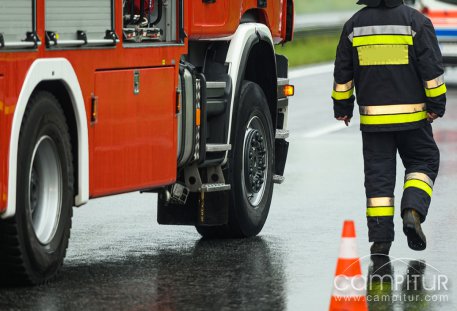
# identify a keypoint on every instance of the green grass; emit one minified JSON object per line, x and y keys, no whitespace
{"x":313,"y":6}
{"x":310,"y":50}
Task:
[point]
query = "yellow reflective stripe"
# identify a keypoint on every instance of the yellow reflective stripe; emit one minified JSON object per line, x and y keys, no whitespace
{"x":393,"y":119}
{"x":380,"y":211}
{"x":414,"y":183}
{"x":440,"y":90}
{"x":381,"y":201}
{"x":342,"y":95}
{"x":344,"y":87}
{"x":382,"y":39}
{"x":378,"y":55}
{"x":391,"y":109}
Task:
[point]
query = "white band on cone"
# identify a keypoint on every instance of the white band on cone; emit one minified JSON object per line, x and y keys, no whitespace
{"x":349,"y":286}
{"x":348,"y":248}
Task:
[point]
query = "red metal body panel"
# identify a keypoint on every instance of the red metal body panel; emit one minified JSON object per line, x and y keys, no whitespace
{"x":87,"y":63}
{"x":2,"y":143}
{"x":221,"y":18}
{"x":134,"y":137}
{"x":141,"y":133}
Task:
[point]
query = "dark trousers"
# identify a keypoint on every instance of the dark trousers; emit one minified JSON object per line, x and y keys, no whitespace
{"x":420,"y":156}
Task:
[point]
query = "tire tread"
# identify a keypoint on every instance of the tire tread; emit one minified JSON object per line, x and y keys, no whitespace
{"x":14,"y":269}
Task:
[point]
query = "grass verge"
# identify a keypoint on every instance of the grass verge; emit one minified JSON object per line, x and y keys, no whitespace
{"x":310,"y":50}
{"x":315,"y":6}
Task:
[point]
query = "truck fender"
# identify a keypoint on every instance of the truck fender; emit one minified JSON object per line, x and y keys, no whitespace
{"x":46,"y":70}
{"x":246,"y":36}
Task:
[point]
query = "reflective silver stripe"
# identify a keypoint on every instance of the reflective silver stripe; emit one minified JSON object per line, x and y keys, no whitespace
{"x":431,"y":84}
{"x":351,"y":36}
{"x":382,"y":30}
{"x":391,"y":109}
{"x":380,"y":202}
{"x":420,"y":176}
{"x":343,"y":87}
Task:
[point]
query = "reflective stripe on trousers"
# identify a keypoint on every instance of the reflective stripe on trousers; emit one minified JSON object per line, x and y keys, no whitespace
{"x":380,"y":207}
{"x":419,"y":181}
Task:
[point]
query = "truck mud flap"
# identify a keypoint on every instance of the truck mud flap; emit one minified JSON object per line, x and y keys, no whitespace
{"x":281,"y":150}
{"x":201,"y":209}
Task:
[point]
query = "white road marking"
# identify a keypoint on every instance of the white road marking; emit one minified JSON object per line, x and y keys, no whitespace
{"x":311,"y":71}
{"x":325,"y":130}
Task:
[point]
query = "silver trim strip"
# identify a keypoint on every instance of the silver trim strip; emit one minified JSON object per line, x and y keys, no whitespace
{"x":420,"y":176}
{"x":391,"y":109}
{"x":344,"y":87}
{"x":382,"y":30}
{"x":381,"y":202}
{"x":431,"y":84}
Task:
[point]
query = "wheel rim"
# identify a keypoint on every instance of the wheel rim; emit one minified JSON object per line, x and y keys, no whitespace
{"x":45,"y":189}
{"x":255,"y":162}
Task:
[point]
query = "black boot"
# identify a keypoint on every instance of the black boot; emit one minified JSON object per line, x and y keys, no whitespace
{"x":412,"y":229}
{"x":380,"y":248}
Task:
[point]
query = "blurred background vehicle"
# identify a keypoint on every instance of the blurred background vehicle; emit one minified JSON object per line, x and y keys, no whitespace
{"x":443,"y":14}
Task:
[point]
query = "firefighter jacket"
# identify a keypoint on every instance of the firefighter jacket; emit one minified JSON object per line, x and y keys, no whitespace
{"x":391,"y":57}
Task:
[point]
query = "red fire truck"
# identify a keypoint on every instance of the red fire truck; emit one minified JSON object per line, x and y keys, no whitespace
{"x":186,"y":99}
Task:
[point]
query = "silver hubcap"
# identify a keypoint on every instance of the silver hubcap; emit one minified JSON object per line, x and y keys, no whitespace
{"x":255,"y":162}
{"x":45,"y":189}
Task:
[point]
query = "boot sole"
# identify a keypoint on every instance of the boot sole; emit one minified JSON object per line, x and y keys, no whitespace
{"x":416,"y":238}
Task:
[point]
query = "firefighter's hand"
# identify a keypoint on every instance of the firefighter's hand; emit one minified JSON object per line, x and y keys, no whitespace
{"x":431,"y":116}
{"x":345,"y":119}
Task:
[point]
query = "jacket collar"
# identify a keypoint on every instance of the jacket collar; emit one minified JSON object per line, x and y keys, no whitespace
{"x":377,"y":3}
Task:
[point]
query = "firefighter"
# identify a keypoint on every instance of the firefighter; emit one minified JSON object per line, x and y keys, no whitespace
{"x":389,"y":54}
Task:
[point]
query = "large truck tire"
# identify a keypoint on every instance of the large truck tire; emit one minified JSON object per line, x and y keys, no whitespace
{"x":33,"y":243}
{"x":250,"y":167}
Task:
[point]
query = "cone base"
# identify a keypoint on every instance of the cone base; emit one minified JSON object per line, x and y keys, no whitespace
{"x":348,"y":304}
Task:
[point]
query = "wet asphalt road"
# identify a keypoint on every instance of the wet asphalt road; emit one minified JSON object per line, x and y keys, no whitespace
{"x":120,"y":259}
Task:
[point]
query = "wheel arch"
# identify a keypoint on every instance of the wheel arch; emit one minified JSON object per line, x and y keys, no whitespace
{"x":251,"y":56}
{"x":57,"y":76}
{"x":260,"y":68}
{"x":255,"y":15}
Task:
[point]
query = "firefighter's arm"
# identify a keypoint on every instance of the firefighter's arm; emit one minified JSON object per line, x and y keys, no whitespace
{"x":343,"y":87}
{"x":430,"y":67}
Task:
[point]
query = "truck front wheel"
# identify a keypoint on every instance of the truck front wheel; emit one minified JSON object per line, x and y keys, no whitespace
{"x":33,"y":243}
{"x":250,"y":167}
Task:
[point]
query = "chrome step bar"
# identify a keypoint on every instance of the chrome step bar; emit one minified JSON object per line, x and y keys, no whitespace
{"x":282,"y":134}
{"x":216,"y":84}
{"x":215,"y":187}
{"x":218,"y":147}
{"x":278,"y":179}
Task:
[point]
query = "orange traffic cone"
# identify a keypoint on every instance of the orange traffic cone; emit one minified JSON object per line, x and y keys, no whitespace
{"x":349,"y":285}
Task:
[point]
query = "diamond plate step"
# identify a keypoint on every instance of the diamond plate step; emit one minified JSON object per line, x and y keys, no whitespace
{"x":215,"y":187}
{"x":282,"y":134}
{"x":278,"y":179}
